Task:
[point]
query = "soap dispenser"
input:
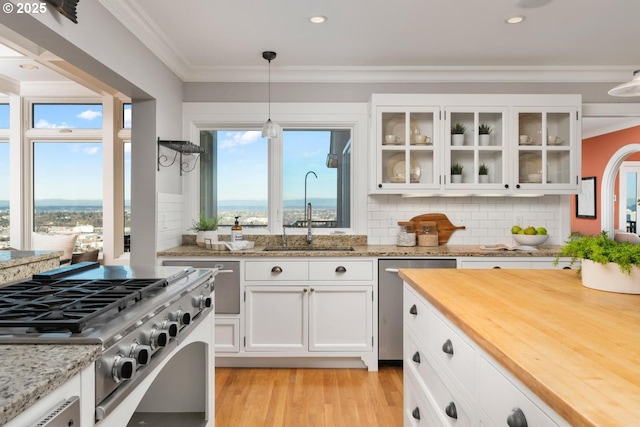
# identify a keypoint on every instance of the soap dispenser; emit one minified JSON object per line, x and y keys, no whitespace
{"x":236,"y":231}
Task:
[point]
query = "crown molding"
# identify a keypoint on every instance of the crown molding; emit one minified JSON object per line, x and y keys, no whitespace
{"x":136,"y":21}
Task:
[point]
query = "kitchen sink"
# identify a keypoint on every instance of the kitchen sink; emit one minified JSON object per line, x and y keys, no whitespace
{"x":306,"y":249}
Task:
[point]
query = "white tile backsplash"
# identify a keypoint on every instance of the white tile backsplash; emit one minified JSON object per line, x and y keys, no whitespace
{"x":488,"y":220}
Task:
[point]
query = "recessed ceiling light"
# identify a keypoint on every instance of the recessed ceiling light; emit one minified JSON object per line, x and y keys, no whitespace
{"x":515,"y":19}
{"x":28,"y":66}
{"x":318,"y":19}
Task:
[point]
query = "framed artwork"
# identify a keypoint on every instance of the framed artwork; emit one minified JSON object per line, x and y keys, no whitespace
{"x":586,"y":199}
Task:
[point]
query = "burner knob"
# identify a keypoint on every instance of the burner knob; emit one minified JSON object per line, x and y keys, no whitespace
{"x":124,"y":368}
{"x":201,"y":301}
{"x":171,"y":327}
{"x":157,"y":337}
{"x":184,"y":318}
{"x":141,"y":353}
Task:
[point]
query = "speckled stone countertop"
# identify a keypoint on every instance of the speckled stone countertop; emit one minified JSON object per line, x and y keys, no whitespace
{"x":28,"y":372}
{"x":17,"y":265}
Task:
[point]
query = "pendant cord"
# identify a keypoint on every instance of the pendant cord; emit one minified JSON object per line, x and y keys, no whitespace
{"x":269,"y":89}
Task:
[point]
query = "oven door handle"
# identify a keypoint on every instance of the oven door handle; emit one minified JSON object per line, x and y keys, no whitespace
{"x":225,"y":271}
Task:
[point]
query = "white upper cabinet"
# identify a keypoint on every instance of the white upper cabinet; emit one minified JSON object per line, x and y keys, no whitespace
{"x":510,"y":144}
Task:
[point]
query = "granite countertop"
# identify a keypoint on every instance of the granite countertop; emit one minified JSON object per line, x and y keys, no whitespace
{"x":576,"y":348}
{"x":362,"y":251}
{"x":13,"y":258}
{"x":28,"y":372}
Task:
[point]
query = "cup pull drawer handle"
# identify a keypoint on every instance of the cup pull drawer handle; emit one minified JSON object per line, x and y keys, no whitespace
{"x":447,"y":347}
{"x":416,"y":413}
{"x":416,"y":357}
{"x":341,"y":269}
{"x":516,"y":418}
{"x":276,"y":269}
{"x":413,"y":310}
{"x":451,"y":411}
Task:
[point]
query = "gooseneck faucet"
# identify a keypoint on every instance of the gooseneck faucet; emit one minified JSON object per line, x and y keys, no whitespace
{"x":307,"y":214}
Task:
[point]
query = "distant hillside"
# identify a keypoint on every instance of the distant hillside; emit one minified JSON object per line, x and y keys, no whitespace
{"x":4,"y":204}
{"x":293,"y":203}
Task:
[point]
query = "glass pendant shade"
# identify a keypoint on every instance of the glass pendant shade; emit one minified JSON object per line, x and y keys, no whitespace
{"x":630,"y":88}
{"x":270,"y":129}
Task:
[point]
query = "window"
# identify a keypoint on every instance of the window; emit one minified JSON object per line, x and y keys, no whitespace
{"x":236,"y":172}
{"x":4,"y":194}
{"x":76,"y":116}
{"x":127,"y":196}
{"x":67,"y":190}
{"x":126,"y":116}
{"x":4,"y":116}
{"x":316,"y":170}
{"x":234,"y":176}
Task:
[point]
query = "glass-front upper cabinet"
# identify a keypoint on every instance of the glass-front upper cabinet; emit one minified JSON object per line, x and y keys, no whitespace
{"x":407,"y":148}
{"x":548,"y":148}
{"x":475,"y":139}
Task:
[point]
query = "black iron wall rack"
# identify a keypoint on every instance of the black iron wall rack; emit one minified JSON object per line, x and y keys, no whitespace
{"x":181,"y":148}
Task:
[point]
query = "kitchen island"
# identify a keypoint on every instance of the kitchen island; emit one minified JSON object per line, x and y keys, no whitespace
{"x":18,"y":265}
{"x":574,"y":348}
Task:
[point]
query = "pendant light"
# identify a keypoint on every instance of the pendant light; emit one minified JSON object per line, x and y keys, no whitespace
{"x":270,"y":129}
{"x":630,"y":88}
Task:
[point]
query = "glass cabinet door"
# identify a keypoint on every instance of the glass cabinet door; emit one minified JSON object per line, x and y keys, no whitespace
{"x":408,"y":153}
{"x":544,"y":140}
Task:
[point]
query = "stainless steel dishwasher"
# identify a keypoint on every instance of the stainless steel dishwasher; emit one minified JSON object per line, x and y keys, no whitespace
{"x":390,"y":303}
{"x":226,"y":284}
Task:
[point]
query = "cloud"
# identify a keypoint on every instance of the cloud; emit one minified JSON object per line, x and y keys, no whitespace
{"x":43,"y":124}
{"x":127,"y":118}
{"x":89,"y":115}
{"x":91,"y":150}
{"x":234,"y":139}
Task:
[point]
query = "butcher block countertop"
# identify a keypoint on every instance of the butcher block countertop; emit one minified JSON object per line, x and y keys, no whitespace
{"x":576,"y":348}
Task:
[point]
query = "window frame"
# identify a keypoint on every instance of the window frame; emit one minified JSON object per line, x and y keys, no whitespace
{"x":291,"y":116}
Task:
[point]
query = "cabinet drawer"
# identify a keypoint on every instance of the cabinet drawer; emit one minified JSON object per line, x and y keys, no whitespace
{"x":495,"y":264}
{"x":418,"y":412}
{"x":415,"y":312}
{"x":341,"y":270}
{"x":275,"y":271}
{"x":499,"y":397}
{"x":454,"y":353}
{"x":227,"y":335}
{"x":449,"y":408}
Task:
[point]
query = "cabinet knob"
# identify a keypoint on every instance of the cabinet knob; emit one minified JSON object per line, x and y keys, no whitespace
{"x":379,"y":185}
{"x":497,"y":267}
{"x":276,"y":269}
{"x":517,"y":185}
{"x":341,"y":269}
{"x":447,"y":347}
{"x":416,"y":357}
{"x":516,"y":418}
{"x":416,"y":413}
{"x":451,"y":411}
{"x":506,"y":186}
{"x":413,"y":310}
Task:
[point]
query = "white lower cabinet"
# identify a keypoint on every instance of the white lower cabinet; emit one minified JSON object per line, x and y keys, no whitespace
{"x":227,"y":335}
{"x":513,"y":262}
{"x":301,"y":308}
{"x":450,"y":381}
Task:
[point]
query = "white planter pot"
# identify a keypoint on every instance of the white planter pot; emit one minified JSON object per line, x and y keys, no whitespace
{"x":457,"y":139}
{"x":483,"y":179}
{"x":456,"y":179}
{"x":609,"y":278}
{"x":204,"y":236}
{"x":484,"y":139}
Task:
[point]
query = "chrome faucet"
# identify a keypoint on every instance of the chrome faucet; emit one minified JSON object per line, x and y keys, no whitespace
{"x":284,"y":236}
{"x":308,"y":215}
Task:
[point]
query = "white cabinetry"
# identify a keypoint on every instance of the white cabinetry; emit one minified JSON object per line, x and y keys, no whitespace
{"x":534,"y":146}
{"x":311,"y":308}
{"x":450,"y":380}
{"x":515,"y":262}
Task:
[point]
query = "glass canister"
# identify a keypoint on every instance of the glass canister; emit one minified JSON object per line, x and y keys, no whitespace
{"x":427,"y":234}
{"x":405,"y":237}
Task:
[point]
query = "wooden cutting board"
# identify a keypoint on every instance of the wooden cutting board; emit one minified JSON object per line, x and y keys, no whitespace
{"x":444,"y":226}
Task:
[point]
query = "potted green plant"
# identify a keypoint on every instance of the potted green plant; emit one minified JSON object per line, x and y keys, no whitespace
{"x":484,"y":133}
{"x":606,"y":264}
{"x":483,"y":174}
{"x":457,"y":134}
{"x":206,"y":229}
{"x":456,"y":173}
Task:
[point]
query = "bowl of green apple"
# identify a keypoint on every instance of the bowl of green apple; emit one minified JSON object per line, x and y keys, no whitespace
{"x":529,"y":236}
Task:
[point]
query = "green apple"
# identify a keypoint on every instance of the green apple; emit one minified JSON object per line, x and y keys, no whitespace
{"x":541,"y":231}
{"x":530,"y":230}
{"x":521,"y":231}
{"x":515,"y":229}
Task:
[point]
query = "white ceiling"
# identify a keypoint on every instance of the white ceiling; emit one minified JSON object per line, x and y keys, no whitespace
{"x":203,"y":40}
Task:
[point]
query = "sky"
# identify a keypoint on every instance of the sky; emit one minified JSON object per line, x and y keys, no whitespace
{"x":71,"y":170}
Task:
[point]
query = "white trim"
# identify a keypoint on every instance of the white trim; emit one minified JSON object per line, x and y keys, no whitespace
{"x":608,"y":181}
{"x":197,"y":116}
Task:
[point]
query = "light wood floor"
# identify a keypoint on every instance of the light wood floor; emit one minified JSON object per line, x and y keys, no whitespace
{"x":247,"y":397}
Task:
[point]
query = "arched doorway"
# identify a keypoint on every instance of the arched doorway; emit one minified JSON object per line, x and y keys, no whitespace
{"x":608,"y":181}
